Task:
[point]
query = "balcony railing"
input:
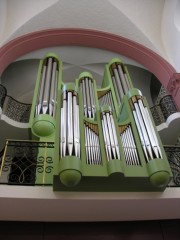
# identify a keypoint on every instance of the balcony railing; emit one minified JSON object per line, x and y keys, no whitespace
{"x":3,"y":93}
{"x":17,"y":111}
{"x":163,"y":110}
{"x":11,"y":108}
{"x":26,"y":163}
{"x":173,"y":155}
{"x":31,"y":163}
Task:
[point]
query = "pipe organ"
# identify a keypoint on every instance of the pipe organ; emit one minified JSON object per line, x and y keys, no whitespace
{"x":105,"y":138}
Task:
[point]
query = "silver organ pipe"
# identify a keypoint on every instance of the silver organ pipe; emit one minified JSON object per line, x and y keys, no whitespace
{"x":46,"y":101}
{"x":52,"y":97}
{"x":145,"y":129}
{"x":110,"y":136}
{"x":107,"y":100}
{"x":89,"y":103}
{"x":70,"y":132}
{"x":129,"y":146}
{"x":92,"y":145}
{"x":120,"y":81}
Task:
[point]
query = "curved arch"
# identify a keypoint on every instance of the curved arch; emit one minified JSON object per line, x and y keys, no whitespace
{"x":92,"y":38}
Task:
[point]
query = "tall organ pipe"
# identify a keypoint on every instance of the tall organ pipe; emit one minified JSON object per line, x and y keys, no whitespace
{"x":46,"y":100}
{"x":88,"y":94}
{"x":145,"y":129}
{"x":120,"y":80}
{"x":70,"y":132}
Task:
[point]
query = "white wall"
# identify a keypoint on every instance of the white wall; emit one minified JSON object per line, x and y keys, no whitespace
{"x":20,"y":12}
{"x":171,"y":31}
{"x":141,"y":79}
{"x":19,"y":79}
{"x":3,"y":17}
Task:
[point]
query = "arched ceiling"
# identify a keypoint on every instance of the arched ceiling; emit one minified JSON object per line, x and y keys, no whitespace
{"x":140,"y":21}
{"x":171,"y":32}
{"x":150,"y":23}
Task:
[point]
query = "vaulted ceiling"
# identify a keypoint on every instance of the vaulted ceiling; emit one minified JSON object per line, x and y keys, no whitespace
{"x":154,"y":24}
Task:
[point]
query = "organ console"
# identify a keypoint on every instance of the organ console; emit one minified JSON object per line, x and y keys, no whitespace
{"x":105,"y":138}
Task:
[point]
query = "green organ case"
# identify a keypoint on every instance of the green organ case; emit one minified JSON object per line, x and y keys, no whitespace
{"x":99,"y":143}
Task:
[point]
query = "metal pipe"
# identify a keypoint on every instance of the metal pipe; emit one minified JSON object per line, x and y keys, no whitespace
{"x":112,"y":143}
{"x":52,"y":99}
{"x":55,"y":94}
{"x":91,"y":145}
{"x":75,"y":137}
{"x":92,"y":100}
{"x":78,"y":132}
{"x":140,"y":135}
{"x":47,"y":87}
{"x":98,"y":148}
{"x":123,"y":145}
{"x":126,"y":147}
{"x":95,"y":144}
{"x":88,"y":98}
{"x":84,"y":98}
{"x":110,"y":101}
{"x":144,"y":131}
{"x":126,"y":155}
{"x":62,"y":137}
{"x":133,"y":157}
{"x":86,"y":144}
{"x":114,"y":135}
{"x":134,"y":145}
{"x":122,"y":141}
{"x":70,"y":124}
{"x":148,"y":127}
{"x":116,"y":90}
{"x":106,"y":137}
{"x":127,"y":80}
{"x":118,"y":83}
{"x":123,"y":80}
{"x":95,"y":147}
{"x":105,"y":99}
{"x":153,"y":132}
{"x":41,"y":89}
{"x":64,"y":122}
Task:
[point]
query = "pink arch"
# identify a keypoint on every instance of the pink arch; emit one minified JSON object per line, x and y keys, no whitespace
{"x":92,"y":38}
